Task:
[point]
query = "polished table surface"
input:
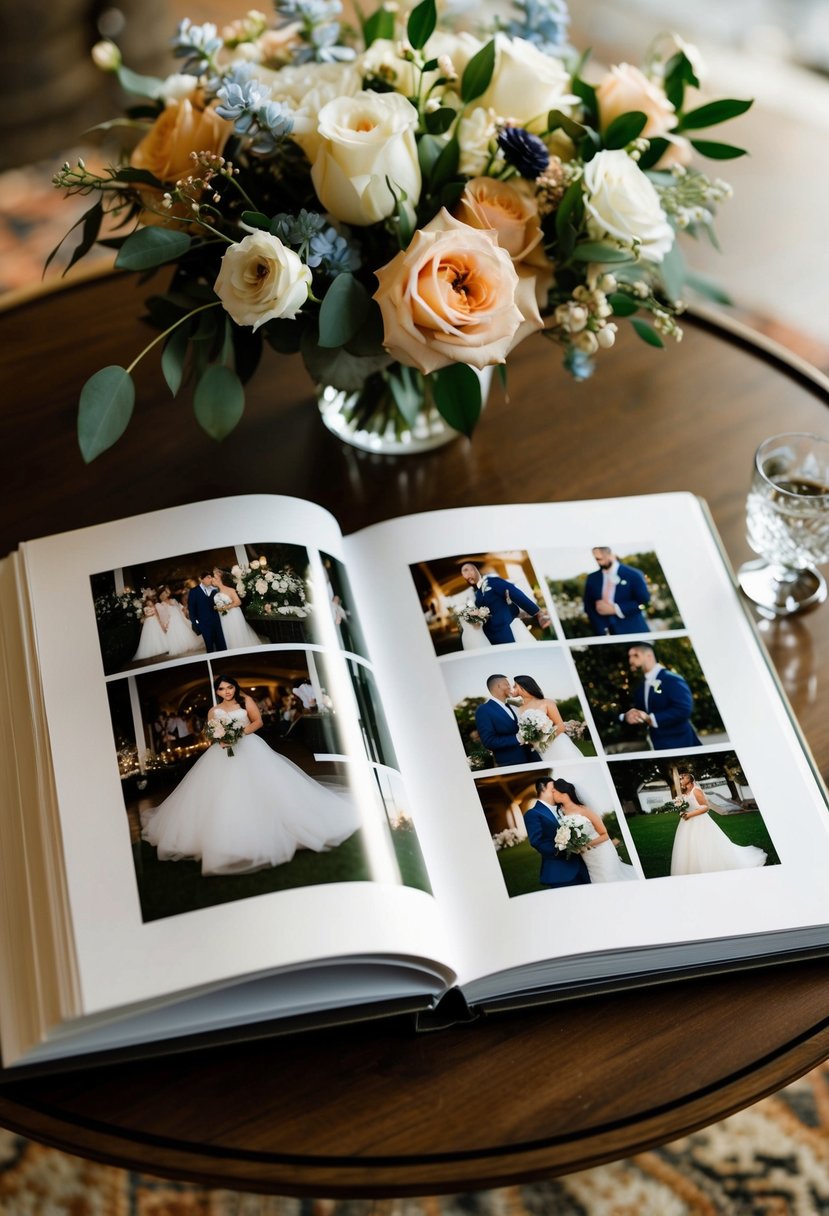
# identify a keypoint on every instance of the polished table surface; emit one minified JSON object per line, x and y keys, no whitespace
{"x":373,"y":1109}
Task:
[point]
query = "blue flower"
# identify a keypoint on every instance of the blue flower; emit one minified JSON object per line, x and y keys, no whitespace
{"x":524,"y":151}
{"x":196,"y":44}
{"x":543,"y":22}
{"x":578,"y":364}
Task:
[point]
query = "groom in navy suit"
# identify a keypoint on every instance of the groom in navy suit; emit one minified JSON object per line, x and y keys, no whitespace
{"x":615,"y":596}
{"x":204,"y":618}
{"x":542,"y":822}
{"x":504,"y":600}
{"x":662,"y":701}
{"x":497,"y":725}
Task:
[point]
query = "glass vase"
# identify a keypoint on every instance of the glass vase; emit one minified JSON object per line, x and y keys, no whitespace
{"x":371,"y":417}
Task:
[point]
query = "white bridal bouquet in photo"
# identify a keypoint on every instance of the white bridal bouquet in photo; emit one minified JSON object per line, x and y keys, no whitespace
{"x":224,"y":729}
{"x":400,"y":204}
{"x":536,"y":729}
{"x":574,"y":834}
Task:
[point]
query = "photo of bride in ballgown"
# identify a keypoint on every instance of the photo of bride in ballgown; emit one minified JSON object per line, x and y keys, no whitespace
{"x":237,"y":632}
{"x":600,"y":856}
{"x":153,"y":640}
{"x":249,"y":810}
{"x":180,"y":637}
{"x":561,"y":746}
{"x":700,"y":845}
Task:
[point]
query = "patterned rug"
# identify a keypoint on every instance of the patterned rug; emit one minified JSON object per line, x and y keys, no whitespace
{"x":769,"y":1160}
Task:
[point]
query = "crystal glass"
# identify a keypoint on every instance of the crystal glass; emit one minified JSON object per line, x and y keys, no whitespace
{"x":787,"y":517}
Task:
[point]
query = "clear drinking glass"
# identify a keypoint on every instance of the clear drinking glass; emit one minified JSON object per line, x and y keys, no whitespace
{"x":787,"y":517}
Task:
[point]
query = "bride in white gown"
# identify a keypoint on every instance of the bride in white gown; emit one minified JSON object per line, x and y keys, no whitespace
{"x":603,"y":862}
{"x":700,"y":846}
{"x":250,"y":810}
{"x":561,"y":747}
{"x":180,"y":637}
{"x":153,"y":640}
{"x":237,"y":632}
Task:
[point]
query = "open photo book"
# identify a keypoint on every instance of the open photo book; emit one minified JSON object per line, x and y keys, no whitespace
{"x":257,"y":774}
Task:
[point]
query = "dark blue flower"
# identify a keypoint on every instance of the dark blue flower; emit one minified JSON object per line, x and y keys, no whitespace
{"x":524,"y":151}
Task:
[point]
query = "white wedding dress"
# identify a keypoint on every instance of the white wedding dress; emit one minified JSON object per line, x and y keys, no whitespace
{"x":248,"y":811}
{"x":473,"y":637}
{"x":560,"y":748}
{"x":153,"y":640}
{"x":701,"y":847}
{"x":603,"y":862}
{"x":520,"y":632}
{"x":180,"y":637}
{"x":236,"y":631}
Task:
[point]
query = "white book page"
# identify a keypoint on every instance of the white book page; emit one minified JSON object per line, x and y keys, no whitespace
{"x":499,"y":932}
{"x":123,"y":958}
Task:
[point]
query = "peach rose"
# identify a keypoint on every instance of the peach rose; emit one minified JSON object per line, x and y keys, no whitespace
{"x":625,"y":88}
{"x":182,"y":127}
{"x":453,"y":296}
{"x":487,"y":203}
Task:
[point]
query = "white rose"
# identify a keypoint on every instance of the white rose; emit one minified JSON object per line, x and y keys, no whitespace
{"x":254,"y":565}
{"x":260,"y":279}
{"x":309,"y":87}
{"x":365,"y":140}
{"x":260,"y":586}
{"x":476,"y":134}
{"x":526,"y":84}
{"x":622,"y":204}
{"x":235,"y":571}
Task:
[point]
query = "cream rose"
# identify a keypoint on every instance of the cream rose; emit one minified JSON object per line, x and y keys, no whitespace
{"x":182,"y":127}
{"x":625,"y":88}
{"x":453,"y":296}
{"x":260,"y":280}
{"x":623,"y":204}
{"x":365,"y":140}
{"x":526,"y":84}
{"x":488,"y":203}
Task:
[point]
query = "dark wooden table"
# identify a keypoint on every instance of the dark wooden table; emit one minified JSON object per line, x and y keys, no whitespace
{"x":374,"y":1110}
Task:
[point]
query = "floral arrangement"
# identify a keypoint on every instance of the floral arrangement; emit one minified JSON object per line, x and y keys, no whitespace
{"x":270,"y":592}
{"x":575,"y":730}
{"x":401,"y":204}
{"x":112,"y":608}
{"x":471,"y":614}
{"x":574,"y":834}
{"x":536,"y":729}
{"x":224,"y":729}
{"x":507,"y":839}
{"x":682,"y":805}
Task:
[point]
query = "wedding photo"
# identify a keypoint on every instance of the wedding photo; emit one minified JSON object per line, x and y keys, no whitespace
{"x":692,"y":814}
{"x":608,"y":591}
{"x":479,"y":600}
{"x":227,"y":789}
{"x":235,"y":598}
{"x":517,"y":706}
{"x":556,"y":828}
{"x":648,"y":695}
{"x":341,"y":598}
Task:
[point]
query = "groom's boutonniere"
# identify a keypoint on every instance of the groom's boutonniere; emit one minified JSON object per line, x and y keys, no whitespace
{"x":657,"y":686}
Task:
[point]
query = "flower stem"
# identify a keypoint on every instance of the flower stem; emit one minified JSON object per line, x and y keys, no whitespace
{"x":169,"y":330}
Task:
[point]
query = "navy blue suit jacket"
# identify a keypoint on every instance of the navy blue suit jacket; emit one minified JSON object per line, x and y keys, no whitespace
{"x":498,"y":625}
{"x":498,"y":728}
{"x":205,"y":619}
{"x":672,"y":705}
{"x":557,"y":869}
{"x":631,"y":596}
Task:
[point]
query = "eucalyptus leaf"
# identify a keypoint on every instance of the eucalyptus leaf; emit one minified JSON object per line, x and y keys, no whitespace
{"x":712,"y":113}
{"x":597,"y":251}
{"x":478,"y":72}
{"x":624,"y":129}
{"x":647,"y":333}
{"x":421,"y":25}
{"x":707,"y":287}
{"x":149,"y":247}
{"x":104,"y":410}
{"x":219,"y":400}
{"x":672,"y":272}
{"x":457,"y":393}
{"x":339,"y":368}
{"x":344,"y":309}
{"x":716,"y":151}
{"x":379,"y":25}
{"x":142,"y":86}
{"x":407,"y":390}
{"x":283,"y":335}
{"x":174,"y":356}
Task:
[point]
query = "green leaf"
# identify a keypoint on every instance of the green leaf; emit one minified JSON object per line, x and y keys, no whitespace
{"x":575,"y":130}
{"x":407,"y":390}
{"x":284,"y":336}
{"x":678,"y":74}
{"x":151,"y":247}
{"x":672,"y":272}
{"x":429,"y":148}
{"x":717,"y":151}
{"x":174,"y":356}
{"x":344,"y":309}
{"x":478,"y":72}
{"x":338,"y":367}
{"x":624,"y":129}
{"x":439,"y":121}
{"x":568,"y":219}
{"x":142,"y":86}
{"x":104,"y":410}
{"x":91,"y":227}
{"x":597,"y":251}
{"x":587,"y":94}
{"x":707,"y":287}
{"x":457,"y":393}
{"x":622,"y":304}
{"x":256,"y":219}
{"x":653,"y":154}
{"x":712,"y":113}
{"x":421,"y":25}
{"x":219,"y":400}
{"x":141,"y":177}
{"x":379,"y":25}
{"x":647,"y":333}
{"x":446,"y":165}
